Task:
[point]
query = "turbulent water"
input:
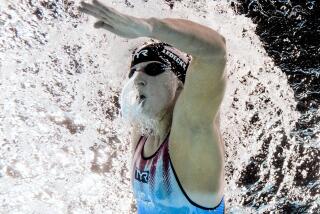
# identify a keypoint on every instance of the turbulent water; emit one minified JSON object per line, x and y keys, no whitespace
{"x":64,"y":149}
{"x":290,"y":32}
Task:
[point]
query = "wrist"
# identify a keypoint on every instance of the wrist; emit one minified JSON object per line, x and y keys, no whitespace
{"x":147,"y":26}
{"x":151,"y":24}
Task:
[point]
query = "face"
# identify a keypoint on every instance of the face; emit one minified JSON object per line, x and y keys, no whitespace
{"x":146,"y":99}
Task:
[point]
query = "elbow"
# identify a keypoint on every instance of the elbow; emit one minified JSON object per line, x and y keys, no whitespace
{"x":219,"y":48}
{"x":223,"y":39}
{"x":220,"y":53}
{"x":223,"y":46}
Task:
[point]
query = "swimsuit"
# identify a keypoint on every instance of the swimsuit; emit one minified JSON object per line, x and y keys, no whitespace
{"x":156,"y":186}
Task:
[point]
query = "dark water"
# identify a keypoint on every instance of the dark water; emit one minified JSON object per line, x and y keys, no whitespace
{"x":290,"y":32}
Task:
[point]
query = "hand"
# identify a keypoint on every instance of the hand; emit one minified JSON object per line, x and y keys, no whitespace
{"x":116,"y":22}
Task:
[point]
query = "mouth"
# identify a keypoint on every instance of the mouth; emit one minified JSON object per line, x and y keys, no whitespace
{"x":141,"y":99}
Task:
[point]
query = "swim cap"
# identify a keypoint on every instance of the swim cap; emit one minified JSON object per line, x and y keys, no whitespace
{"x":165,"y":53}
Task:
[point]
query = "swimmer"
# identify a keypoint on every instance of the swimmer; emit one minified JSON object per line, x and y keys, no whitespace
{"x":172,"y":97}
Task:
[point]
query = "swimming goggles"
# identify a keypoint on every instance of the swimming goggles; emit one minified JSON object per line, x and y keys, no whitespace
{"x":152,"y":69}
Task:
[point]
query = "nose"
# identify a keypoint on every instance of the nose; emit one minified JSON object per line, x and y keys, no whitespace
{"x":139,"y":80}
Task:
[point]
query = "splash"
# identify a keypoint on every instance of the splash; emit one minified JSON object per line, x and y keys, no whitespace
{"x":58,"y":72}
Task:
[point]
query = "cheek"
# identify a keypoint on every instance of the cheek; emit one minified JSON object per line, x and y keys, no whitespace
{"x":169,"y":88}
{"x":164,"y":94}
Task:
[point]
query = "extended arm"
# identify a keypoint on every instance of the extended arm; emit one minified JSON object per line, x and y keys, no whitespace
{"x":188,"y":36}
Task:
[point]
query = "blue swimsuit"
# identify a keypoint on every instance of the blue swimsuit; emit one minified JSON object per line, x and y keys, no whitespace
{"x":156,"y":186}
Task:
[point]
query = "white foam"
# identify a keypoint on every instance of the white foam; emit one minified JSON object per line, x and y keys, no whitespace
{"x":53,"y":164}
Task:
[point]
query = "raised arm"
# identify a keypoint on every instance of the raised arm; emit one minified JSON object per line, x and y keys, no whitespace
{"x":193,"y":38}
{"x":206,"y":46}
{"x":188,"y":36}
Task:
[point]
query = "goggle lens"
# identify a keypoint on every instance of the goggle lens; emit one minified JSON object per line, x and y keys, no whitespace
{"x":152,"y":69}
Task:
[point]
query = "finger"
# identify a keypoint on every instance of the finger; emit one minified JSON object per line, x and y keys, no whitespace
{"x":97,"y":9}
{"x":103,"y":7}
{"x":109,"y":11}
{"x":92,"y":13}
{"x":92,"y":8}
{"x":101,"y":24}
{"x":89,"y":12}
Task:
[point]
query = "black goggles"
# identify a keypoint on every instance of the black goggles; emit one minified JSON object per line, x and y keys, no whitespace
{"x":152,"y":69}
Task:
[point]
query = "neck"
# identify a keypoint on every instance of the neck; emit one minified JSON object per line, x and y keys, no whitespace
{"x":165,"y":124}
{"x":162,"y":130}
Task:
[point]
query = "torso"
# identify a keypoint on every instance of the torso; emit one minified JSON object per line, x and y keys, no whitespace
{"x":179,"y":165}
{"x":163,"y":185}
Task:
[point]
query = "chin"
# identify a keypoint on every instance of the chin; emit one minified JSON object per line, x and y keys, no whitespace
{"x":142,"y":112}
{"x":143,"y":122}
{"x":137,"y":115}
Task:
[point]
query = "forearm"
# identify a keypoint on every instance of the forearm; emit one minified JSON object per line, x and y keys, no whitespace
{"x":188,"y":36}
